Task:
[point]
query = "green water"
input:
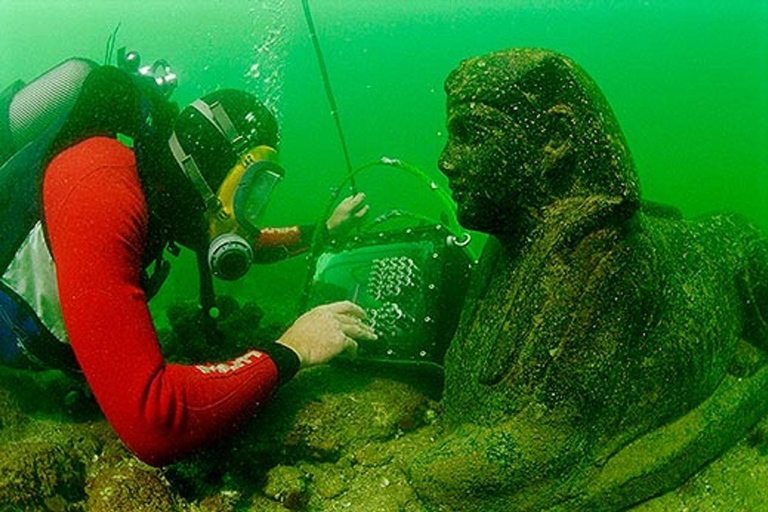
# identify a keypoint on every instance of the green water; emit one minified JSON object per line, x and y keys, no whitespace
{"x":687,"y":79}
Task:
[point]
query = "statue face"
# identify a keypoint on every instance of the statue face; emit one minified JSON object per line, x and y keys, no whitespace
{"x":490,"y":163}
{"x":527,"y":128}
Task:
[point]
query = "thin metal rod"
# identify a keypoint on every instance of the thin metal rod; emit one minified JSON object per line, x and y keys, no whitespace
{"x":328,"y":90}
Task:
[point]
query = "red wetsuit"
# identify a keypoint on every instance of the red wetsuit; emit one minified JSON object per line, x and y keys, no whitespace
{"x":96,"y":219}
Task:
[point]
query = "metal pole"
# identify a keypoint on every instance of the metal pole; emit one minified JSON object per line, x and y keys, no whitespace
{"x":328,"y":90}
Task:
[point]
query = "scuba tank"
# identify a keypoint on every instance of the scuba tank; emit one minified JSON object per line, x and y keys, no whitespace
{"x":31,"y":115}
{"x":26,"y":110}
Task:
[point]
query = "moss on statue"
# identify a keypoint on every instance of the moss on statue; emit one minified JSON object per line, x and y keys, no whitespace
{"x":603,"y":327}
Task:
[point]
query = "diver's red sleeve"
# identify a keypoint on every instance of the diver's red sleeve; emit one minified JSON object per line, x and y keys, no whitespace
{"x":288,"y":237}
{"x":275,"y":244}
{"x":96,"y":220}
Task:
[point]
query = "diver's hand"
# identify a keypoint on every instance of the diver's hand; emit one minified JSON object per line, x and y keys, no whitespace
{"x":347,"y":215}
{"x":324,"y":332}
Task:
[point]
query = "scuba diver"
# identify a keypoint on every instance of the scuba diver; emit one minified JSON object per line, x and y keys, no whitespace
{"x":120,"y":177}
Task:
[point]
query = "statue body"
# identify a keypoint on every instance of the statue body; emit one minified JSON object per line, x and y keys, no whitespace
{"x":606,"y":331}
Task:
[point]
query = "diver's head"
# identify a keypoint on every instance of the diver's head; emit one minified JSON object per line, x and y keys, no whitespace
{"x":225,"y":145}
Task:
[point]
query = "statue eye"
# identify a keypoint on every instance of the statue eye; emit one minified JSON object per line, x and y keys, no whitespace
{"x":458,"y":128}
{"x":467,"y":129}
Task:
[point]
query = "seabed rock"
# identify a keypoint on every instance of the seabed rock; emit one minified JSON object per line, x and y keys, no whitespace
{"x":128,"y":485}
{"x":68,"y":466}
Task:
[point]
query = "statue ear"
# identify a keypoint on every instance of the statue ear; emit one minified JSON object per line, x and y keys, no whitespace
{"x":558,"y":149}
{"x":559,"y":121}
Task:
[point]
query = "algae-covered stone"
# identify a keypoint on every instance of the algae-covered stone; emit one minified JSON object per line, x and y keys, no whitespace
{"x":329,"y":480}
{"x":46,"y":462}
{"x":337,"y":422}
{"x":381,"y":489}
{"x":328,"y":411}
{"x":605,"y":329}
{"x":32,"y":472}
{"x":288,"y":485}
{"x":223,"y":501}
{"x":129,"y":486}
{"x":11,"y":417}
{"x":736,"y":481}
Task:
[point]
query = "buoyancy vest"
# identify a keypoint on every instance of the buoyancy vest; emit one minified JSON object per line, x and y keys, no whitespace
{"x":73,"y":101}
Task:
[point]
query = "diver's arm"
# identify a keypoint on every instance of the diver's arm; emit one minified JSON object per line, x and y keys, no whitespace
{"x":274,"y":244}
{"x":96,"y":219}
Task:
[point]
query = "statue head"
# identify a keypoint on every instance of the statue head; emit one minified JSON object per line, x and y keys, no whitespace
{"x":526,"y":128}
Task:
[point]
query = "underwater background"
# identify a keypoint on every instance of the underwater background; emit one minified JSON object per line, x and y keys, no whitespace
{"x":688,"y":81}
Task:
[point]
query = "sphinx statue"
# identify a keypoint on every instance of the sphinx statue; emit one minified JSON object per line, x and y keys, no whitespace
{"x":613,"y":347}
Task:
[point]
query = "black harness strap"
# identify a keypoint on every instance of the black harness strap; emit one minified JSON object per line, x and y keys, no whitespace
{"x":207,"y":300}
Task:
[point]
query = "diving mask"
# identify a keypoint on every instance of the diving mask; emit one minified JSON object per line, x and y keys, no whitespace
{"x":243,"y":196}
